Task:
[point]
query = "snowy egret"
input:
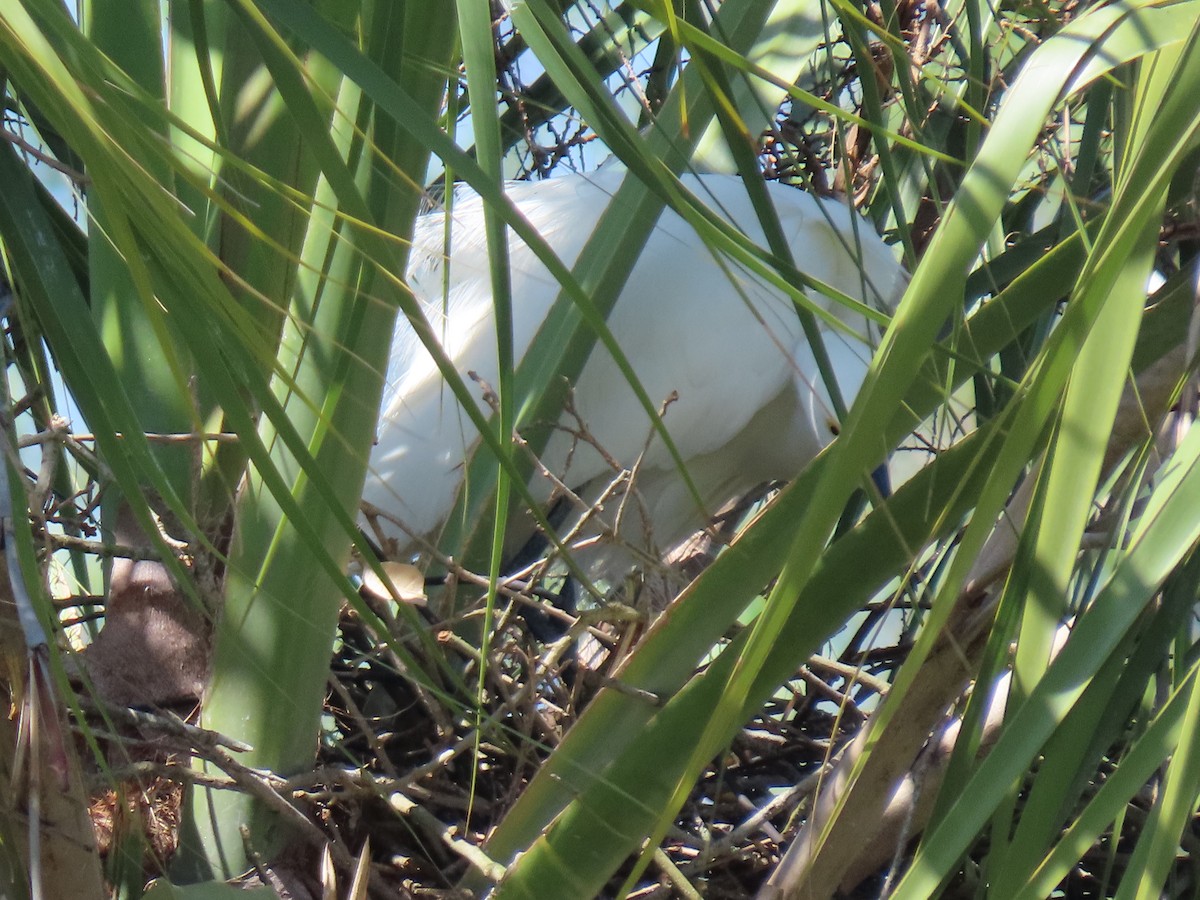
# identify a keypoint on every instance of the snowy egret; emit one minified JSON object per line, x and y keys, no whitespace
{"x":749,"y":406}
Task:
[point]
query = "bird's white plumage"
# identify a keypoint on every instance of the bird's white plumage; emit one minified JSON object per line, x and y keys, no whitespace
{"x":750,"y":406}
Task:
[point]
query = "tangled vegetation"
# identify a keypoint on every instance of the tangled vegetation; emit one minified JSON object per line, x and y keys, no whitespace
{"x":980,"y":684}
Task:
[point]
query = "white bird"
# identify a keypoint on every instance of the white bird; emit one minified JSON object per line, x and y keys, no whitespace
{"x":750,"y":407}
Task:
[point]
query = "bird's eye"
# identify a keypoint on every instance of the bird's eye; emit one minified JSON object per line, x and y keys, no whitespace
{"x":834,"y":428}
